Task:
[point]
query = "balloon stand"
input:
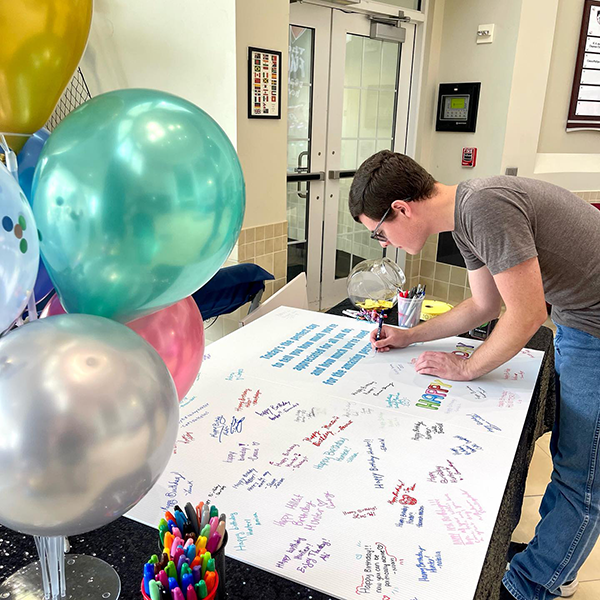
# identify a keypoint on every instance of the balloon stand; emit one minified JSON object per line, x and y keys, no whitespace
{"x":53,"y":577}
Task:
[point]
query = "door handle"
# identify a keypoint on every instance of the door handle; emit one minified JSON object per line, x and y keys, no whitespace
{"x":342,"y":174}
{"x":301,"y":169}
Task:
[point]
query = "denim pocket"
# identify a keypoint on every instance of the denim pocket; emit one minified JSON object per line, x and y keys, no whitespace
{"x":557,"y":339}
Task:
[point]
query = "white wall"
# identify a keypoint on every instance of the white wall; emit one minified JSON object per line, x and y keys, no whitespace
{"x":536,"y":140}
{"x":262,"y":143}
{"x":458,"y":58}
{"x":185,"y":47}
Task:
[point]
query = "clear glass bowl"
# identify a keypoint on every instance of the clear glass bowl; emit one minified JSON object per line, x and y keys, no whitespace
{"x":375,"y":283}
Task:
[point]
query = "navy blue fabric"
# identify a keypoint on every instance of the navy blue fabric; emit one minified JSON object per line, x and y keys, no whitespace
{"x":230,"y":288}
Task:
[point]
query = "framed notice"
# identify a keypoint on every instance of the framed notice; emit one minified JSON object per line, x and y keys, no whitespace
{"x":584,"y":110}
{"x":264,"y":84}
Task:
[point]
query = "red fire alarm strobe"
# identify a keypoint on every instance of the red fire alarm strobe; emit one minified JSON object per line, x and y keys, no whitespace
{"x":469,"y":157}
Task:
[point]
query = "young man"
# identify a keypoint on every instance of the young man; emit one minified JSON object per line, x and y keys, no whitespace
{"x":524,"y":241}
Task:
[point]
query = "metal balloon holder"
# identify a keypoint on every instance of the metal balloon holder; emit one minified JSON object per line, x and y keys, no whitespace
{"x":79,"y":577}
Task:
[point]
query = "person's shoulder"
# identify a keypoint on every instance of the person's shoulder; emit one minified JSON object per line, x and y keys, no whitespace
{"x":482,"y":191}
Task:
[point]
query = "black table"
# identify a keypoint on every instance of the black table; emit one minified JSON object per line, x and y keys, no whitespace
{"x":127,"y":545}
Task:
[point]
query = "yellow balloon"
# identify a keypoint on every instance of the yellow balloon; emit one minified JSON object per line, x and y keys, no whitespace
{"x":41,"y":44}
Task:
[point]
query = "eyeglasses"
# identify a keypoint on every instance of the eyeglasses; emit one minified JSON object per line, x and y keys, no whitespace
{"x":376,"y":234}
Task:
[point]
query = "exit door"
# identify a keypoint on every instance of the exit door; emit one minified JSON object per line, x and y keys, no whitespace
{"x":348,"y":97}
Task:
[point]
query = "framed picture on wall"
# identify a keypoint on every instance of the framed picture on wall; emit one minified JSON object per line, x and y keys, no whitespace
{"x":584,"y":109}
{"x":264,"y":83}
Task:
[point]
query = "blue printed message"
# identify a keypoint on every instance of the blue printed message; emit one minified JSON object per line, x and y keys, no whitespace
{"x":328,"y":351}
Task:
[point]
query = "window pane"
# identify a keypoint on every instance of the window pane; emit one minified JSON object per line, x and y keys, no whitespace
{"x":354,"y":52}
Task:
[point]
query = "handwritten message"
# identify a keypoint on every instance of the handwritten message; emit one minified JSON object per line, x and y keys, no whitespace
{"x":291,"y":459}
{"x":445,"y":474}
{"x":361,"y":513}
{"x":462,"y":518}
{"x":325,"y":431}
{"x":305,"y":555}
{"x":484,"y":423}
{"x":396,"y":401}
{"x":428,"y":564}
{"x":306,"y":513}
{"x":243,"y":453}
{"x":178,"y":485}
{"x":252,"y":480}
{"x":248,"y":399}
{"x":340,"y":451}
{"x":196,"y":415}
{"x":466,"y":448}
{"x":405,"y":498}
{"x":409,"y":516}
{"x":242,"y":528}
{"x":236,"y":375}
{"x":222,"y":428}
{"x":373,"y":459}
{"x":508,"y":399}
{"x":274,"y":411}
{"x":303,"y":415}
{"x":378,"y":567}
{"x":422,"y":431}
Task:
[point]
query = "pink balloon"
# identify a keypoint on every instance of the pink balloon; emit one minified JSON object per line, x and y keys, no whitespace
{"x":176,"y":333}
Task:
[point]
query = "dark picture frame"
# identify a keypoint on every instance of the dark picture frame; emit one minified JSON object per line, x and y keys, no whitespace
{"x":589,"y":49}
{"x":264,"y":83}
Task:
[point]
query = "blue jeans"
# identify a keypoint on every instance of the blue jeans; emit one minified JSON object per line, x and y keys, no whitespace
{"x":570,"y":509}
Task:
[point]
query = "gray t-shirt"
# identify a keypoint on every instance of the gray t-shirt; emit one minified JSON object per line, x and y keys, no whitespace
{"x":503,"y":221}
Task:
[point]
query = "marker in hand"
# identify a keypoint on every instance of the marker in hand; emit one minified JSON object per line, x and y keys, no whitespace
{"x":378,"y":336}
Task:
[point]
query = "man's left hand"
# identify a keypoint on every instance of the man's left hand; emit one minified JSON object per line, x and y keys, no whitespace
{"x":444,"y":365}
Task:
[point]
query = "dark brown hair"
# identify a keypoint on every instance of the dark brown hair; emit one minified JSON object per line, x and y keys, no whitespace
{"x":383,"y":178}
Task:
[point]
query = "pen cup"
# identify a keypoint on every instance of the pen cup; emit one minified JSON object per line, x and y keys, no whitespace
{"x":214,"y":594}
{"x":409,"y":311}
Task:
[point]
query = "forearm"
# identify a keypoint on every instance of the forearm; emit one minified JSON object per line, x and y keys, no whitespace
{"x":513,"y":331}
{"x":460,"y":319}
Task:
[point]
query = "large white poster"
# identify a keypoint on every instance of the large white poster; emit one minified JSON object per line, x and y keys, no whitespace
{"x":342,"y":469}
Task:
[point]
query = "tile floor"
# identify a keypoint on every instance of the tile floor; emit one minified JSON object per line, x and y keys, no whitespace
{"x":539,"y":476}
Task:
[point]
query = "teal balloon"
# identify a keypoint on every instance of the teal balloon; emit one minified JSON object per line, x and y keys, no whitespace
{"x":139,"y":198}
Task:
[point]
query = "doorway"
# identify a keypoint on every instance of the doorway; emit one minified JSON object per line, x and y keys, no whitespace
{"x":348,"y":97}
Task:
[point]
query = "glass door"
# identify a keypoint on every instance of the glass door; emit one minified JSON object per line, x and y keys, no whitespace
{"x":337,"y":117}
{"x":307,"y":121}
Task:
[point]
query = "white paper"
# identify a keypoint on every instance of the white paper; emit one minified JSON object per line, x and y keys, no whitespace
{"x":587,"y":109}
{"x":590,"y":76}
{"x":594,"y":22}
{"x":344,"y":470}
{"x":592,"y":44}
{"x":589,"y":92}
{"x":591,"y":61}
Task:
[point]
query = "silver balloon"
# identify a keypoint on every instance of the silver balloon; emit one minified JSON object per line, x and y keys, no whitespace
{"x":88,"y":419}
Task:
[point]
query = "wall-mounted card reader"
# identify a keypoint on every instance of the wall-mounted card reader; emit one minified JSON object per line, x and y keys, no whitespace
{"x":457,"y":107}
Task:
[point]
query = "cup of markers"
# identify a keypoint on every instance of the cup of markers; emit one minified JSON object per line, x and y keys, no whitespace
{"x":192,"y":556}
{"x":409,"y":306}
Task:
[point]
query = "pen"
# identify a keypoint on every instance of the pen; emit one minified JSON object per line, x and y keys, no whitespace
{"x":378,"y":336}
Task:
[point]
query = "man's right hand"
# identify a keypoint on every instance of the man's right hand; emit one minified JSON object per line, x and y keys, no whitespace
{"x":391,"y":337}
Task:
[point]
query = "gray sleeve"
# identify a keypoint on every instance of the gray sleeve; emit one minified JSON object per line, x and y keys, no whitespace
{"x":472,"y":262}
{"x":498,"y":224}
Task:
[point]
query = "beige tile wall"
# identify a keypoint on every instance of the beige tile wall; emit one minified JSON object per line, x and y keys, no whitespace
{"x":265,"y":246}
{"x":589,"y":195}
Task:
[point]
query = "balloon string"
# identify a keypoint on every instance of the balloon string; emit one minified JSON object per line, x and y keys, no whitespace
{"x":17,"y":134}
{"x":10,"y":157}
